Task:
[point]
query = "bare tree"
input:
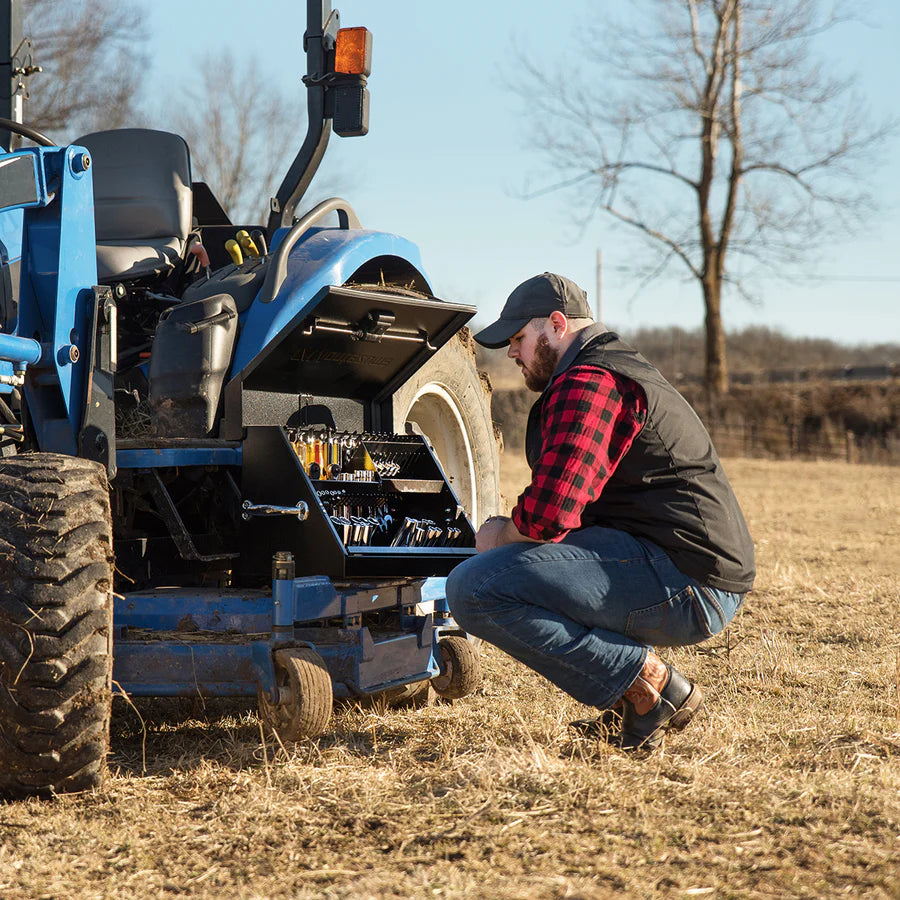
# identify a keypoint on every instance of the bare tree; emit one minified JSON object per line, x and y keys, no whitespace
{"x":92,"y":52}
{"x":712,"y":130}
{"x":242,"y":131}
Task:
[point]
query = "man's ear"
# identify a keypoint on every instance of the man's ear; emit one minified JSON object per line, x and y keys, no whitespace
{"x":559,"y":323}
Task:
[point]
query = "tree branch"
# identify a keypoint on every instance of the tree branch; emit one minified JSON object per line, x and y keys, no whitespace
{"x":653,"y":233}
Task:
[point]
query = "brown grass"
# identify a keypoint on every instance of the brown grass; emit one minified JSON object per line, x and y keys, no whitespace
{"x":787,"y":786}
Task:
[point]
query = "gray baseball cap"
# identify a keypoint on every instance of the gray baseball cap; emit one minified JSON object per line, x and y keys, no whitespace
{"x":535,"y":299}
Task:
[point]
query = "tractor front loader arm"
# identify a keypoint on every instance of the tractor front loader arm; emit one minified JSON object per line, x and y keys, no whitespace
{"x":61,"y":353}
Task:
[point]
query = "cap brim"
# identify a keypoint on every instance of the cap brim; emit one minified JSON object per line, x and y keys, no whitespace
{"x":497,"y":335}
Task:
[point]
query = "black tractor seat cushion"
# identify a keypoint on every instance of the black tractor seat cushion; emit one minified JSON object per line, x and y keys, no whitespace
{"x":142,"y":201}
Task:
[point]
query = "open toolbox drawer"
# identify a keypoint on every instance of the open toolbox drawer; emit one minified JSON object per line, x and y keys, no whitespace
{"x":385,"y":510}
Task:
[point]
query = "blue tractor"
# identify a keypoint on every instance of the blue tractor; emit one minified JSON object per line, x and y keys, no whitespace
{"x":236,"y":459}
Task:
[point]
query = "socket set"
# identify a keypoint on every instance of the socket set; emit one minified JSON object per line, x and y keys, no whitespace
{"x":374,"y":523}
{"x":379,"y":504}
{"x":327,"y":455}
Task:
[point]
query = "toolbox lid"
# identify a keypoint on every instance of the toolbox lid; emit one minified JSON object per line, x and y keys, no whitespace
{"x":356,"y":343}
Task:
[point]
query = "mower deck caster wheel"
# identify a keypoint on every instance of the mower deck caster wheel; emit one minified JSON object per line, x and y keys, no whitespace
{"x":305,"y":696}
{"x":460,"y":673}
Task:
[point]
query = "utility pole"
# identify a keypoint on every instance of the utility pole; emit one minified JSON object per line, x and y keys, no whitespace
{"x":599,"y":285}
{"x":10,"y":84}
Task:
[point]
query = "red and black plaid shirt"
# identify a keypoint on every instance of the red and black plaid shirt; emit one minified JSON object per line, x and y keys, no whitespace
{"x":590,"y":417}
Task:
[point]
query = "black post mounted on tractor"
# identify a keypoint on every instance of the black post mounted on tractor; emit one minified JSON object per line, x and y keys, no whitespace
{"x":336,"y":96}
{"x":16,"y":66}
{"x":10,"y":40}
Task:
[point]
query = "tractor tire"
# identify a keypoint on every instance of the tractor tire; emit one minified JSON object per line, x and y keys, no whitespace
{"x":56,"y":567}
{"x":450,"y":403}
{"x":460,"y":673}
{"x":305,"y":704}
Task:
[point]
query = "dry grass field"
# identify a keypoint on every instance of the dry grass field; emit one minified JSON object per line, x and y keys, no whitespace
{"x":788,"y":785}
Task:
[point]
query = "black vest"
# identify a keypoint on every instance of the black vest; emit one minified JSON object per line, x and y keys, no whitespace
{"x":669,"y":487}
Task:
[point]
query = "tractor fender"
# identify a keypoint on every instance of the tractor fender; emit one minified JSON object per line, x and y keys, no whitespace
{"x":325,"y":257}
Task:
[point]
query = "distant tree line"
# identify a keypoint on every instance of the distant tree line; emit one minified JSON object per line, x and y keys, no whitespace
{"x":679,"y":352}
{"x":815,"y":419}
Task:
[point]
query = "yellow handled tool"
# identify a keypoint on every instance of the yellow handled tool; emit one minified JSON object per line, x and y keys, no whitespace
{"x":247,"y":243}
{"x":234,"y":251}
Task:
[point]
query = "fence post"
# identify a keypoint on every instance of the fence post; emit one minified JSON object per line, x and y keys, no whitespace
{"x":851,"y":446}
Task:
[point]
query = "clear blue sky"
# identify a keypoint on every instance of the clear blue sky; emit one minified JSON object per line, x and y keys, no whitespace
{"x":447,"y":155}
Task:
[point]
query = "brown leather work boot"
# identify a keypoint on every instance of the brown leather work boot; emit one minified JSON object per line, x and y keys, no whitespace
{"x":678,"y":701}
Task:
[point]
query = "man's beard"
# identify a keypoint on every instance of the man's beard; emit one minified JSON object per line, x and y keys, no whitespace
{"x":537,"y":375}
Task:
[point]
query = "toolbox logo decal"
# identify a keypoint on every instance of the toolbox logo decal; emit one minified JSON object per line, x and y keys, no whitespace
{"x":331,"y":356}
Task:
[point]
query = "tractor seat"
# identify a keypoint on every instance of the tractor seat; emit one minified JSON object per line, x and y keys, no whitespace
{"x":142,"y":201}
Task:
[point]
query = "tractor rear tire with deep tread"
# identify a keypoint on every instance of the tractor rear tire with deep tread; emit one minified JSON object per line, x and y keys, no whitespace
{"x":450,"y":402}
{"x":56,"y":567}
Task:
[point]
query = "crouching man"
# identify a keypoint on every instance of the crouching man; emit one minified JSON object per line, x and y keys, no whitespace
{"x":628,"y":537}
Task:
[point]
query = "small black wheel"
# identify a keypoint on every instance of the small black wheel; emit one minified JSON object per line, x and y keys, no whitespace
{"x":55,"y":624}
{"x":460,"y":673}
{"x":305,"y":696}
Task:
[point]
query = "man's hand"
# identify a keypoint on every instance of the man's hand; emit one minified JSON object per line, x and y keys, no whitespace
{"x":490,"y":533}
{"x":497,"y":531}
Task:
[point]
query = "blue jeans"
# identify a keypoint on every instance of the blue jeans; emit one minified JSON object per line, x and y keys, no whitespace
{"x":584,"y":612}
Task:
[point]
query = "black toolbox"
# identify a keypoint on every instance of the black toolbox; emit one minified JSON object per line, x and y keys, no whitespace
{"x":377,"y":502}
{"x":406,"y":524}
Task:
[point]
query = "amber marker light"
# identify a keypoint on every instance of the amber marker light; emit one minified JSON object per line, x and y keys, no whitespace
{"x":353,"y":51}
